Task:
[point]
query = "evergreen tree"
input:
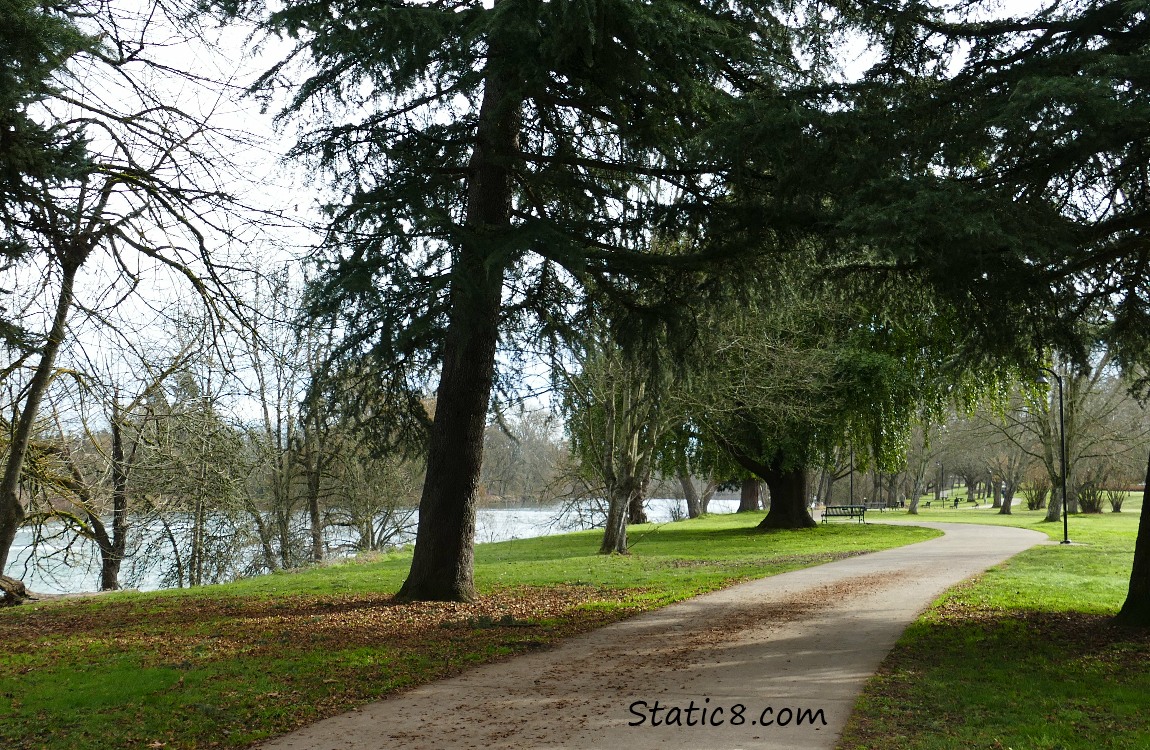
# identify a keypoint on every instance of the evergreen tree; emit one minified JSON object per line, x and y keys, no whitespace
{"x":1011,"y":181}
{"x":783,"y":382}
{"x":36,"y":42}
{"x":496,"y":166}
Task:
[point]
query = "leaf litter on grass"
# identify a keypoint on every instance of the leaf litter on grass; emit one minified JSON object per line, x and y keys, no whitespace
{"x":237,"y":669}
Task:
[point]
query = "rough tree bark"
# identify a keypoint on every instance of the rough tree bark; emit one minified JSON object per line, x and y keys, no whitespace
{"x":697,"y":503}
{"x":113,"y":555}
{"x":615,"y":531}
{"x":788,"y":498}
{"x":441,"y":568}
{"x":750,"y":495}
{"x":694,"y":505}
{"x":1008,"y":488}
{"x":1136,"y":609}
{"x":12,"y":592}
{"x":1054,"y":506}
{"x":788,"y":490}
{"x":636,"y":513}
{"x":316,"y":464}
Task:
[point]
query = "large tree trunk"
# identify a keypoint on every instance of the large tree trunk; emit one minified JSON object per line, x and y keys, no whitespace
{"x":1054,"y":507}
{"x":441,"y":568}
{"x":750,"y":495}
{"x":1007,"y":498}
{"x":788,"y":491}
{"x":11,"y":509}
{"x":1136,"y":609}
{"x":788,"y":499}
{"x":997,"y":493}
{"x":694,"y":504}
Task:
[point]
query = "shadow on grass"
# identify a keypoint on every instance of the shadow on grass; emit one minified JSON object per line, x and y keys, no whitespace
{"x":1035,"y":679}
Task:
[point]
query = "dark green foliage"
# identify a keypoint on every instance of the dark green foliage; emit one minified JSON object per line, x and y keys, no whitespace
{"x":36,"y":42}
{"x":807,"y":370}
{"x":499,"y":172}
{"x":35,"y":45}
{"x":1016,"y":189}
{"x":619,"y":107}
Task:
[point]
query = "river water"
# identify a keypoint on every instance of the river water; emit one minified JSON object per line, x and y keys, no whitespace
{"x":59,"y":571}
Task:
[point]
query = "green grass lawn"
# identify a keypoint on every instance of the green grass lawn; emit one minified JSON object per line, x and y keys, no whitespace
{"x":1022,"y":657}
{"x":228,"y":666}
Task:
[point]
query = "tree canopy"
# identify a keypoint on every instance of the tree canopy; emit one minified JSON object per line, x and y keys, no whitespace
{"x":1002,"y":163}
{"x":496,"y":167}
{"x":36,"y":43}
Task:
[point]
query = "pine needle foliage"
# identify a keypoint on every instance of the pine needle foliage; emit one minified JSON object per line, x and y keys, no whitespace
{"x":498,"y":168}
{"x":619,"y":111}
{"x":1001,"y":162}
{"x":36,"y":42}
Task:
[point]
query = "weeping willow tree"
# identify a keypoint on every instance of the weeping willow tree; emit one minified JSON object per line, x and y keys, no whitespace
{"x":782,"y":382}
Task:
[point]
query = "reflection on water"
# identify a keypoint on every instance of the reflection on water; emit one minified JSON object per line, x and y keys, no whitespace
{"x":77,"y":568}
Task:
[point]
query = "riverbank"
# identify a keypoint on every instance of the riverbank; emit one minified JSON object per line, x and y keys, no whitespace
{"x":62,"y":564}
{"x":229,"y":665}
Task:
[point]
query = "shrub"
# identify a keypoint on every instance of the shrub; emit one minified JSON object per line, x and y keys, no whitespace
{"x":1090,"y":497}
{"x":1035,"y":493}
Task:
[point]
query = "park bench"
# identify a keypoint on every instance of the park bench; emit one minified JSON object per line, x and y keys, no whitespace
{"x":944,"y":501}
{"x":845,"y":511}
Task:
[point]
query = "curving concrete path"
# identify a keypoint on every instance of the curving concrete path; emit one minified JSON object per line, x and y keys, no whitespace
{"x":792,"y":650}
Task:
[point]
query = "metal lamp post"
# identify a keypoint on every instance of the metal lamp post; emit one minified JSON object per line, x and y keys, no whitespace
{"x":852,"y":502}
{"x":1062,"y":451}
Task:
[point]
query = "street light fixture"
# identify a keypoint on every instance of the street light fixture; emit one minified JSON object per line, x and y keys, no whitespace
{"x":1062,"y":449}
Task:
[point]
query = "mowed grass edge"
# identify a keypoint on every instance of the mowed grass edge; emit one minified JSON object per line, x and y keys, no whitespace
{"x":1023,"y":656}
{"x":230,"y":665}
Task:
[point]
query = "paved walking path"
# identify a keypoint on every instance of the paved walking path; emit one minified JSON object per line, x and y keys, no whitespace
{"x":789,"y":648}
